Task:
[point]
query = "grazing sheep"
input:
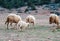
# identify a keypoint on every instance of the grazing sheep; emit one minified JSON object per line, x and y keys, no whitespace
{"x":30,"y":19}
{"x":12,"y":18}
{"x":54,"y":19}
{"x":22,"y":25}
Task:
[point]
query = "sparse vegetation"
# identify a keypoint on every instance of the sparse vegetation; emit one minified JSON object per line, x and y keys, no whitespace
{"x":19,"y":3}
{"x":41,"y":31}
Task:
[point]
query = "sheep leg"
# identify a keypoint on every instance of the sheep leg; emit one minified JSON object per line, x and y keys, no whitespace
{"x":7,"y":25}
{"x":21,"y":28}
{"x":16,"y":26}
{"x":10,"y":24}
{"x":58,"y":26}
{"x":5,"y":22}
{"x":33,"y":23}
{"x":50,"y":20}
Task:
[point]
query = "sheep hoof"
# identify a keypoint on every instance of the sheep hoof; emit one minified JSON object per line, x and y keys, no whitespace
{"x":7,"y":29}
{"x":57,"y":28}
{"x":20,"y":31}
{"x":53,"y":30}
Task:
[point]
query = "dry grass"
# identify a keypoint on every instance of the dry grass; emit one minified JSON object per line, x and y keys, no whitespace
{"x":40,"y":32}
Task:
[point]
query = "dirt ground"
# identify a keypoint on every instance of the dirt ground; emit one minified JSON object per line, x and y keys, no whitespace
{"x":42,"y":31}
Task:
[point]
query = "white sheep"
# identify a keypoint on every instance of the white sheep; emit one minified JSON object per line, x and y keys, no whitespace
{"x":30,"y":19}
{"x":54,"y":19}
{"x":22,"y":25}
{"x":12,"y":18}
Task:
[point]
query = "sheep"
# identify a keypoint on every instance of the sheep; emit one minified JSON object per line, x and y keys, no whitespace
{"x":12,"y":18}
{"x":30,"y":19}
{"x":22,"y":25}
{"x":54,"y":19}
